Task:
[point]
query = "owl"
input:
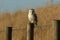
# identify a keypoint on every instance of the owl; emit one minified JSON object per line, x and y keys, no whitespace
{"x":32,"y":17}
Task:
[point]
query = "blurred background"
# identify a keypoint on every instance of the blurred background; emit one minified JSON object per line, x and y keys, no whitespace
{"x":13,"y":13}
{"x":13,"y":5}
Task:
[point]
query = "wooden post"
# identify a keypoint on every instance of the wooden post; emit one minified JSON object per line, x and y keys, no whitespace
{"x":30,"y":31}
{"x":9,"y":33}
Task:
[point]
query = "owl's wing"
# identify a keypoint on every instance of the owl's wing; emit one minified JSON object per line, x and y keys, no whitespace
{"x":35,"y":18}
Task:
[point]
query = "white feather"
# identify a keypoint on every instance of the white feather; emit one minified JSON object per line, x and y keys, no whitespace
{"x":31,"y":16}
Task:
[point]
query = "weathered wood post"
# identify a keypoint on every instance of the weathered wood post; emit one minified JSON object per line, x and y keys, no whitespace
{"x":9,"y":33}
{"x":30,"y":31}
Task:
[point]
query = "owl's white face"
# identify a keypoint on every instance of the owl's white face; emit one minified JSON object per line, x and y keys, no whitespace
{"x":30,"y":11}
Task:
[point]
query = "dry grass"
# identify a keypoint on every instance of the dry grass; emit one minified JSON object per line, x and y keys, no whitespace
{"x":18,"y":20}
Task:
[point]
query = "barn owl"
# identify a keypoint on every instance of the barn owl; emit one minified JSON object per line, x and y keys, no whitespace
{"x":32,"y":17}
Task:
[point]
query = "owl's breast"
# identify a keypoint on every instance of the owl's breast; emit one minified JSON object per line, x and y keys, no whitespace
{"x":31,"y":18}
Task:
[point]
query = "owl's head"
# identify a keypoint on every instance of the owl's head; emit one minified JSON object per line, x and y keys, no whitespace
{"x":31,"y":11}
